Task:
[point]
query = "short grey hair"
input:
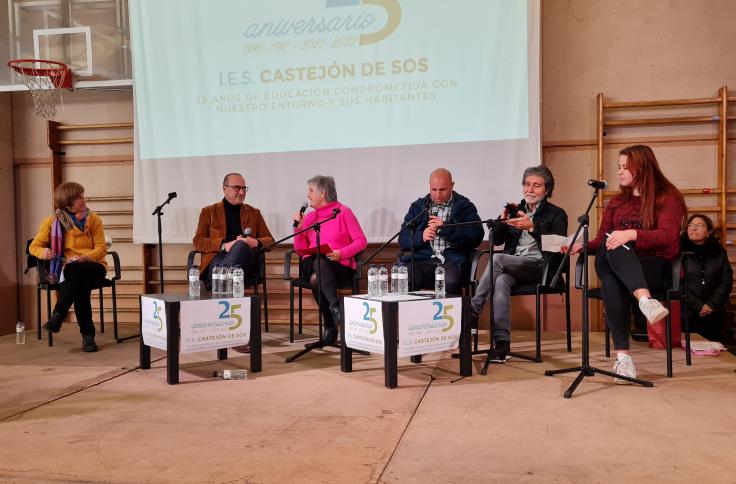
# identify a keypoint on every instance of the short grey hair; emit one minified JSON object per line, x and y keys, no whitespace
{"x":545,"y":173}
{"x":325,"y":184}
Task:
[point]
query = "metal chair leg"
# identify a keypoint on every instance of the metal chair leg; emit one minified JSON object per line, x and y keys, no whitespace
{"x":300,"y":310}
{"x":291,"y":312}
{"x":668,"y":345}
{"x":538,"y":329}
{"x":102,"y":313}
{"x":114,"y":313}
{"x":48,"y":315}
{"x":38,"y":312}
{"x":568,"y":324}
{"x":265,"y":304}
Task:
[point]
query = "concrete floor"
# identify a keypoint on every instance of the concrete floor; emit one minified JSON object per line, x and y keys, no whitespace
{"x":70,"y":416}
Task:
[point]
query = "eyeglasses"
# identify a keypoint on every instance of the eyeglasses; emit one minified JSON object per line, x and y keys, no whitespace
{"x":239,"y":188}
{"x":696,"y":226}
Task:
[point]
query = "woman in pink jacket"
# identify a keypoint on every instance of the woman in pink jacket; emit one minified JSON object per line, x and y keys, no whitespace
{"x":340,"y":239}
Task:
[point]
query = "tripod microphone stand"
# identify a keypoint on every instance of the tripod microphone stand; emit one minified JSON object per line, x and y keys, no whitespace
{"x":158,"y":211}
{"x":316,"y":227}
{"x":585,"y":369}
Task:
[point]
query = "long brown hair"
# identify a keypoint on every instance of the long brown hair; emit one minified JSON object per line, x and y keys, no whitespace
{"x":653,"y":186}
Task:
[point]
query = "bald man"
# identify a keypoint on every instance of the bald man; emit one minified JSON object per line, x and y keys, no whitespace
{"x":451,"y":247}
{"x":219,"y":235}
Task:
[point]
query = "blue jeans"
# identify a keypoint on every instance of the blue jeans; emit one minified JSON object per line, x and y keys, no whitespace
{"x":508,"y":270}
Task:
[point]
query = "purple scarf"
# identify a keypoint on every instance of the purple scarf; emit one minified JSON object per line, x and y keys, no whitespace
{"x":57,"y":246}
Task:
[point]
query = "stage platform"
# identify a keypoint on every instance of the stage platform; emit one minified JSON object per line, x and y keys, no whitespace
{"x":71,"y":416}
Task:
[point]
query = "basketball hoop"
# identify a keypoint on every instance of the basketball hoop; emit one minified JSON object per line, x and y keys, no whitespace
{"x":45,"y":79}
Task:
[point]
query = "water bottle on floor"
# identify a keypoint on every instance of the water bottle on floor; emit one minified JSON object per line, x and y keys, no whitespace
{"x":194,"y":281}
{"x":382,"y":281}
{"x":231,"y":374}
{"x":439,"y":281}
{"x":372,"y":281}
{"x":20,"y":332}
{"x":238,"y":282}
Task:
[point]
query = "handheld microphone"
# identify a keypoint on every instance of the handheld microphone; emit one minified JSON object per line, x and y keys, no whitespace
{"x":598,"y":184}
{"x":247,"y":231}
{"x":301,"y":212}
{"x":335,"y":211}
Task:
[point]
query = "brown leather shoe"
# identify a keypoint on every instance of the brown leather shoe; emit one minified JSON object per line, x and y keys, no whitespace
{"x":242,"y":349}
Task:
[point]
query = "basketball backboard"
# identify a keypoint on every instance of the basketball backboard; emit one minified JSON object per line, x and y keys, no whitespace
{"x":91,"y":36}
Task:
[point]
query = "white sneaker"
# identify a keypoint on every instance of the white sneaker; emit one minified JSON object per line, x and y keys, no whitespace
{"x":652,"y":309}
{"x":624,"y":366}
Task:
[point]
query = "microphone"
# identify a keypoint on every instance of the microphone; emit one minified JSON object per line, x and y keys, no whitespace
{"x":247,"y":231}
{"x":335,"y":211}
{"x":598,"y":184}
{"x":301,"y":212}
{"x":172,"y":195}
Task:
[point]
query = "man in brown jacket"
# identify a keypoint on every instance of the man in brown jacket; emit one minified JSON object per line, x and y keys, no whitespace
{"x":220,"y":231}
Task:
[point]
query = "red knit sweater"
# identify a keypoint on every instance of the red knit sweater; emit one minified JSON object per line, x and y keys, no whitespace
{"x":662,"y":240}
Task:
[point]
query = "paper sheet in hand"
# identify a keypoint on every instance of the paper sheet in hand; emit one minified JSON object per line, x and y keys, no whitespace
{"x":323,"y":249}
{"x":553,"y":243}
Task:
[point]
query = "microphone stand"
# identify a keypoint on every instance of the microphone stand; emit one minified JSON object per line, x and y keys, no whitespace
{"x":585,"y":369}
{"x":490,"y":223}
{"x":316,"y":227}
{"x":158,"y":212}
{"x":412,"y":226}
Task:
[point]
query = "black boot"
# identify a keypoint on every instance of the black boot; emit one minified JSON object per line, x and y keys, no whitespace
{"x":54,"y":324}
{"x":332,"y":326}
{"x":88,"y":343}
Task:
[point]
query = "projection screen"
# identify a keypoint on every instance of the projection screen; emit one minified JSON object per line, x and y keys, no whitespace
{"x":376,"y":93}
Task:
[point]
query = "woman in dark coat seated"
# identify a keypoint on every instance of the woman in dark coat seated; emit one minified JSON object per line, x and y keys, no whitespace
{"x":709,"y":277}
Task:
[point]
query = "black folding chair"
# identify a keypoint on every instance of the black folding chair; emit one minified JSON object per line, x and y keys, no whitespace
{"x":42,"y":284}
{"x":301,"y":283}
{"x":676,"y":292}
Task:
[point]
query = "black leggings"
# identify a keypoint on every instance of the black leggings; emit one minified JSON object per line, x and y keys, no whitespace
{"x":334,"y":275}
{"x":79,"y":280}
{"x":622,"y":272}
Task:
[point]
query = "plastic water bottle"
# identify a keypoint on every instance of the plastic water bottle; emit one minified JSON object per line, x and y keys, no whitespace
{"x":194,"y":281}
{"x":439,"y":281}
{"x":216,"y":279}
{"x":382,"y":281}
{"x":395,"y":278}
{"x":238,"y":282}
{"x":231,"y":374}
{"x":403,"y":279}
{"x":372,"y":281}
{"x":20,"y":332}
{"x":227,"y":286}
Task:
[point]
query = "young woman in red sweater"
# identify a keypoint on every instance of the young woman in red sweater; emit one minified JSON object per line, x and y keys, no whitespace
{"x":635,"y":244}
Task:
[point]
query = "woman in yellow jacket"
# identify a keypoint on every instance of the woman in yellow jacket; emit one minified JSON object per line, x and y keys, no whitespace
{"x":73,"y":240}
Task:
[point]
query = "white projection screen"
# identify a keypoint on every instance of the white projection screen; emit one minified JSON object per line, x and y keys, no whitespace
{"x":376,"y":93}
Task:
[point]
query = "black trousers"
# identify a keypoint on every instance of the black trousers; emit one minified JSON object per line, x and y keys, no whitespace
{"x":334,"y":276}
{"x":622,"y":272}
{"x":80,"y":278}
{"x":423,"y":277}
{"x":709,"y":327}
